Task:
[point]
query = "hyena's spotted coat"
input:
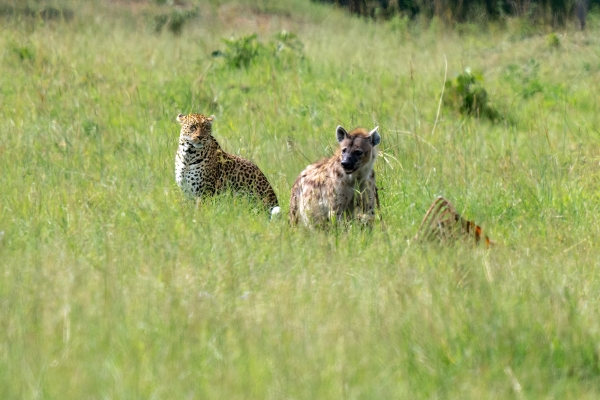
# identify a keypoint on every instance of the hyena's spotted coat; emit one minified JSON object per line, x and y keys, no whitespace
{"x":341,"y":187}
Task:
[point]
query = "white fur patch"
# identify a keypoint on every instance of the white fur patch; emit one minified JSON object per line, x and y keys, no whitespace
{"x":275,"y":212}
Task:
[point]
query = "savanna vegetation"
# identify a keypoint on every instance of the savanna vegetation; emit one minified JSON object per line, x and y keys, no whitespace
{"x":115,"y":286}
{"x":555,"y":12}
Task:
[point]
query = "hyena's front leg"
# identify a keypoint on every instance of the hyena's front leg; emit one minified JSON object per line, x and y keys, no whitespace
{"x":366,"y":204}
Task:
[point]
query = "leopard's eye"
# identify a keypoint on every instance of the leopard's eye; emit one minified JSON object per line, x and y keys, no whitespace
{"x":193,"y":128}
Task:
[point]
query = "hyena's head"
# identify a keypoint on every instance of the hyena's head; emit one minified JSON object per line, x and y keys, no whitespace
{"x":195,"y":128}
{"x":357,"y":148}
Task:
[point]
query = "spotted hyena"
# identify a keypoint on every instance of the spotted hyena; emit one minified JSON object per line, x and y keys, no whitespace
{"x":341,"y":187}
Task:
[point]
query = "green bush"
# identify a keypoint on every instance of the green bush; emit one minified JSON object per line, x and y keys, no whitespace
{"x":242,"y":52}
{"x":524,"y":79}
{"x":287,"y":47}
{"x":158,"y":22}
{"x":177,"y":20}
{"x":174,"y":20}
{"x":288,"y":41}
{"x":553,"y":40}
{"x":25,"y":53}
{"x":399,"y":24}
{"x":466,"y":92}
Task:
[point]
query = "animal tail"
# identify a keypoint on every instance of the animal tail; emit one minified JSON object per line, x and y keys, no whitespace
{"x":275,"y":212}
{"x":443,"y":223}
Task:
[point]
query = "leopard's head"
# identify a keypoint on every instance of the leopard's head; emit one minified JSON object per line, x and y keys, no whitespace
{"x":195,"y":128}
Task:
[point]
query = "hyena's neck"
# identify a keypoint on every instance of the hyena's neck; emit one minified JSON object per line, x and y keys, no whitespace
{"x":365,"y":171}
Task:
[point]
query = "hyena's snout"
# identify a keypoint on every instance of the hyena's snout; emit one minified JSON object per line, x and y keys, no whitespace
{"x":350,"y":163}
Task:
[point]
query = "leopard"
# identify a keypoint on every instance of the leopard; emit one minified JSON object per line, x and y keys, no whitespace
{"x":204,"y":169}
{"x":340,"y":188}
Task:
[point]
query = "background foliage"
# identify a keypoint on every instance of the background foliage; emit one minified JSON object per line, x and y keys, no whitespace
{"x":556,"y":12}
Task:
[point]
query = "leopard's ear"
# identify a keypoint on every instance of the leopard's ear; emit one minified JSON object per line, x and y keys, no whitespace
{"x":211,"y":118}
{"x":341,"y":133}
{"x":180,"y":118}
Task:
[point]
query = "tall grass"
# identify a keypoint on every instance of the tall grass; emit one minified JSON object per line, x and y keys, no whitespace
{"x":115,"y":286}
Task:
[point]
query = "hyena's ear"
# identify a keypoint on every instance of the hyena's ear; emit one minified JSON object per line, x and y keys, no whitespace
{"x":374,"y":135}
{"x":341,"y":133}
{"x":180,"y":118}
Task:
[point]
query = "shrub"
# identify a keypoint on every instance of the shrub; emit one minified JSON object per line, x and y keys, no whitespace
{"x":553,"y":40}
{"x":524,"y":79}
{"x":284,"y":41}
{"x":242,"y":52}
{"x":158,"y":22}
{"x":25,"y":53}
{"x":466,"y":92}
{"x":174,"y":20}
{"x":399,"y":24}
{"x":286,"y":47}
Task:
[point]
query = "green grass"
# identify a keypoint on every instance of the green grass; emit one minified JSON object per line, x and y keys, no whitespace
{"x":114,"y":286}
